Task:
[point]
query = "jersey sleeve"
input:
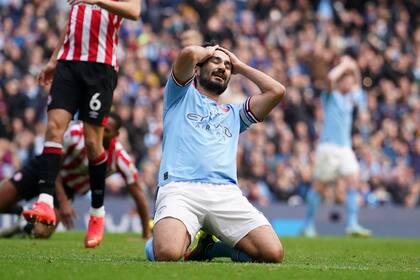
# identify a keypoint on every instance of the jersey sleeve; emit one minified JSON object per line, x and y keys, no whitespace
{"x":174,"y":91}
{"x":126,"y":167}
{"x":325,"y":96}
{"x":247,"y":118}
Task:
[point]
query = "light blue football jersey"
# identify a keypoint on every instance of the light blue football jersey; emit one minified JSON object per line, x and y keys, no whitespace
{"x":338,"y":116}
{"x":200,"y":137}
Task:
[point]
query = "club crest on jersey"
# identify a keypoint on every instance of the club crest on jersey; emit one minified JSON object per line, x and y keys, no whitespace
{"x":224,"y":108}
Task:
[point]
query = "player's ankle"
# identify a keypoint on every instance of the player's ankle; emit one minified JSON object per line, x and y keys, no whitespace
{"x":97,"y":212}
{"x":46,"y":198}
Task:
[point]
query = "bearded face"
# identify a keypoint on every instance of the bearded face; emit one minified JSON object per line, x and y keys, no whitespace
{"x":214,"y":74}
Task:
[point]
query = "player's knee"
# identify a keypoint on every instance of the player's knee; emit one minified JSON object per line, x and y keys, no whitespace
{"x":274,"y":254}
{"x":55,"y":131}
{"x":93,"y":147}
{"x":166,"y":253}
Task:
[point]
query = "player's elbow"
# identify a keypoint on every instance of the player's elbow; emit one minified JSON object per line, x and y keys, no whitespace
{"x":134,"y":13}
{"x":189,"y":53}
{"x":280,"y":91}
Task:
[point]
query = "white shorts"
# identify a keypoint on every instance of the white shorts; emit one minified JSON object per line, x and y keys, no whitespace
{"x":332,"y":161}
{"x":221,"y":210}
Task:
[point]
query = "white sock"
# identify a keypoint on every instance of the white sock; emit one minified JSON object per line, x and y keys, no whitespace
{"x":98,"y":212}
{"x":46,"y":198}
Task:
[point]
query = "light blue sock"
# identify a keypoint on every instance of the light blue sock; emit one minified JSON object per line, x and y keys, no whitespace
{"x":149,"y":250}
{"x":312,"y":199}
{"x":221,"y":250}
{"x":352,"y":207}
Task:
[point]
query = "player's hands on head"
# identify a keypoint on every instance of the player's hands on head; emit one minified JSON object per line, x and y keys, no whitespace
{"x":46,"y":76}
{"x":210,"y":52}
{"x":237,"y":64}
{"x":346,"y":59}
{"x":349,"y":62}
{"x":75,"y":2}
{"x":67,"y":214}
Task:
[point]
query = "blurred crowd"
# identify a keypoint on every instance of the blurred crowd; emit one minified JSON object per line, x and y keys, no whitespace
{"x":296,"y":42}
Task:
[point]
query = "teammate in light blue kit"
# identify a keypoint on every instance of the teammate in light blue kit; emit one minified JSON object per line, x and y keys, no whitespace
{"x":335,"y":159}
{"x":197,"y":177}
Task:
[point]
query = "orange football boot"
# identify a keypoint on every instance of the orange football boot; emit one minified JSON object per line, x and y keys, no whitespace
{"x":95,"y":232}
{"x":41,"y":212}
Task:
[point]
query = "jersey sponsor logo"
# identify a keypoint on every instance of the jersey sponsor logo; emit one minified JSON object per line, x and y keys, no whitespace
{"x":205,"y":123}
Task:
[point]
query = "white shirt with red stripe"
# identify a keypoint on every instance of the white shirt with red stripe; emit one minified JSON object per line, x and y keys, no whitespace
{"x":74,"y":171}
{"x":92,"y":35}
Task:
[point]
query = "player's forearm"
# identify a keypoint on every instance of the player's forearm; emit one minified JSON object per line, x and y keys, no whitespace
{"x":357,"y":75}
{"x":265,"y":83}
{"x":60,"y":194}
{"x":143,"y":209}
{"x":145,"y":224}
{"x":186,"y":61}
{"x":129,"y":9}
{"x":196,"y":54}
{"x":142,"y":206}
{"x":337,"y":72}
{"x":60,"y":43}
{"x":272,"y":91}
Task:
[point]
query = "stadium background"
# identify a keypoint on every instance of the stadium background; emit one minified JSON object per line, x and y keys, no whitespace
{"x":296,"y":42}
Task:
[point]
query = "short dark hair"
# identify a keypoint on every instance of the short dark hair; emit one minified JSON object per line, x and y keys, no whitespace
{"x":211,"y":43}
{"x":116,"y":118}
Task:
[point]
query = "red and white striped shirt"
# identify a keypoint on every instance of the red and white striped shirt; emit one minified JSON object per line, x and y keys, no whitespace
{"x":92,"y":35}
{"x":74,"y":171}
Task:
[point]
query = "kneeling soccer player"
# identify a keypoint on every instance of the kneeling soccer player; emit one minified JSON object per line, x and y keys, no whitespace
{"x":197,"y":177}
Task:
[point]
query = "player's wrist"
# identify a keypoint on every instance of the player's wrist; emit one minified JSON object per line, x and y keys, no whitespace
{"x":240,"y":67}
{"x":203,"y":54}
{"x":99,"y":3}
{"x":64,"y":202}
{"x":52,"y":61}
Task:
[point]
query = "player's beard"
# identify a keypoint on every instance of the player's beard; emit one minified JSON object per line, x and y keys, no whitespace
{"x":217,"y":88}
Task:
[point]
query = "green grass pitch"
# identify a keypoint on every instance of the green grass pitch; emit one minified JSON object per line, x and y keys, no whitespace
{"x":121,"y":256}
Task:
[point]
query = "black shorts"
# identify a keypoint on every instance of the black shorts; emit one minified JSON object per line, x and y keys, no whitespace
{"x":84,"y":87}
{"x":26,"y":182}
